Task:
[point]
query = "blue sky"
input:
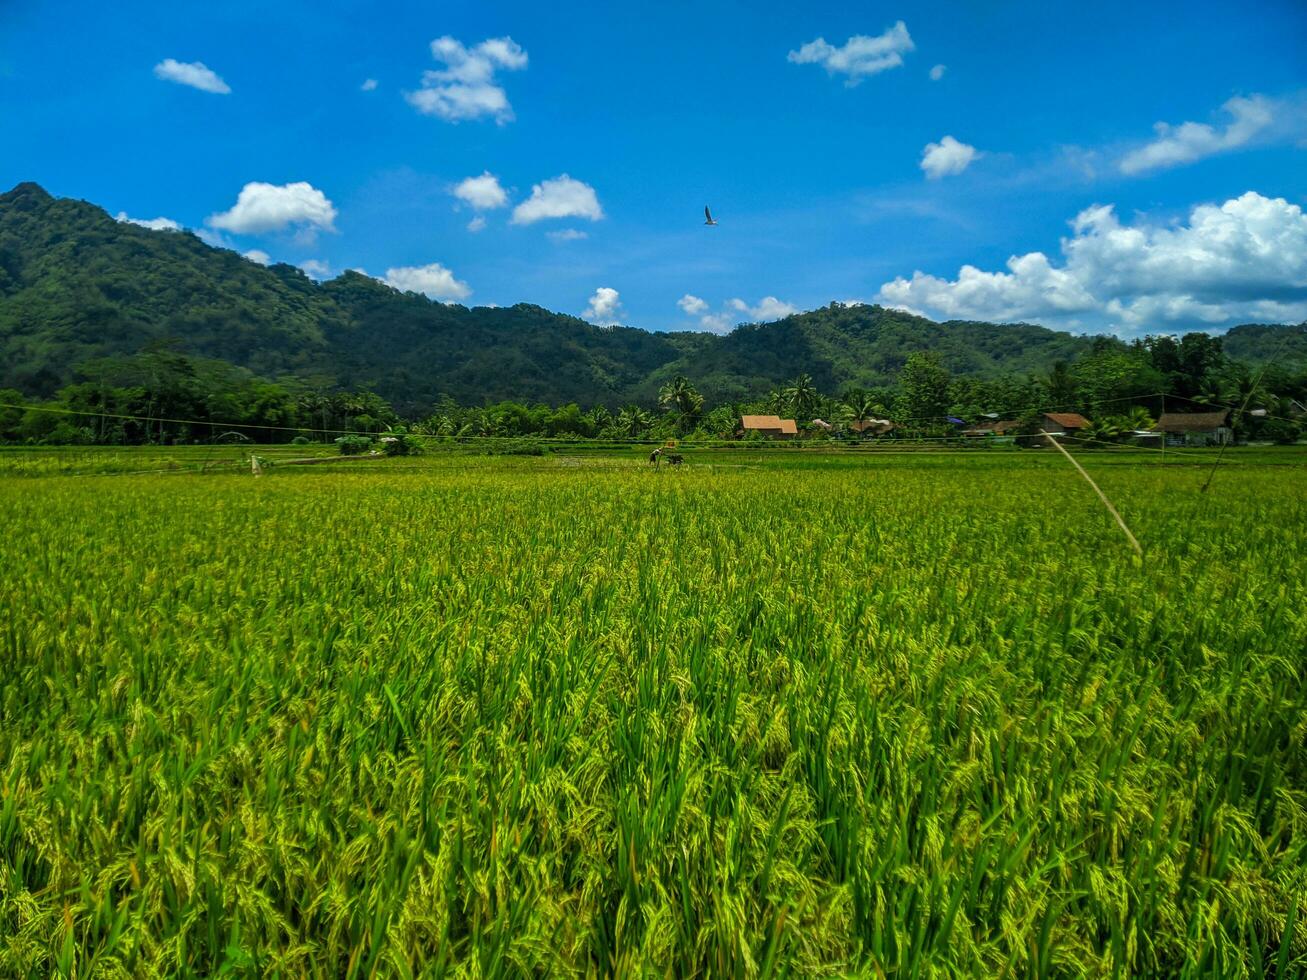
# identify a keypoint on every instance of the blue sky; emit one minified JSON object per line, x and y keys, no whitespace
{"x":1114,"y":166}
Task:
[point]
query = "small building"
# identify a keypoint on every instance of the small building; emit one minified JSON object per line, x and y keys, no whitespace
{"x":872,"y":427}
{"x":986,"y":429}
{"x":822,"y":424}
{"x":771,"y":426}
{"x":1195,"y":428}
{"x":1063,"y":423}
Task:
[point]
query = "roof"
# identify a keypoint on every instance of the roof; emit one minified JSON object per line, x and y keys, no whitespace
{"x":760,"y":422}
{"x":1068,"y":420}
{"x":1192,"y":421}
{"x":789,"y":428}
{"x":876,"y":426}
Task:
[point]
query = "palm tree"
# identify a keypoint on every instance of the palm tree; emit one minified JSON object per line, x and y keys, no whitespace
{"x":1213,"y":392}
{"x":633,"y":421}
{"x":1139,"y":420}
{"x":858,"y":405}
{"x":801,"y":395}
{"x":1101,"y":431}
{"x":679,"y":395}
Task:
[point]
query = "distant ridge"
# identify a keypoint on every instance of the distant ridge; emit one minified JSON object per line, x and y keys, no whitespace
{"x":75,"y":284}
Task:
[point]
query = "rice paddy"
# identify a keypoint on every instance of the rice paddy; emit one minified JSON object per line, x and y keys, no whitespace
{"x":769,"y":714}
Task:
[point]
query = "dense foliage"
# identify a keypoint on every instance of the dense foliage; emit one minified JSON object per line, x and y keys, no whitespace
{"x":77,"y":287}
{"x":792,"y":715}
{"x":163,"y":397}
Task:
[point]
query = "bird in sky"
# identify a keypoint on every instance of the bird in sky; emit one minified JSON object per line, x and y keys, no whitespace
{"x":708,"y":215}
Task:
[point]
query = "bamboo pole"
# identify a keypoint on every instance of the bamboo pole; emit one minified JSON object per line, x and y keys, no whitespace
{"x":1101,"y":496}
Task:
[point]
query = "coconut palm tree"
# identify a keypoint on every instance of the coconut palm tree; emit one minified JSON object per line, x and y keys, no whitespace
{"x":679,"y":395}
{"x":633,"y":421}
{"x":801,"y":395}
{"x":1138,"y":420}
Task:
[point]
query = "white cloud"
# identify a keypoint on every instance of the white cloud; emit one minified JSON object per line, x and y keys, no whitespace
{"x":258,"y":256}
{"x":195,"y":74}
{"x":476,"y":224}
{"x":1190,"y":141}
{"x":937,"y":72}
{"x":263,"y":208}
{"x":559,"y":197}
{"x":860,"y":55}
{"x":734,"y":312}
{"x":769,"y":308}
{"x":566,"y":235}
{"x":605,"y":307}
{"x":434,"y":280}
{"x":948,"y":156}
{"x":466,"y":87}
{"x":154,"y":224}
{"x":315,"y":268}
{"x":483,"y":193}
{"x":1244,"y":259}
{"x":692,"y":305}
{"x":719,"y":322}
{"x":369,"y":85}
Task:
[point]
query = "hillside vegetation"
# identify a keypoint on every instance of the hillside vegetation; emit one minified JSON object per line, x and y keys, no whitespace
{"x":76,"y":285}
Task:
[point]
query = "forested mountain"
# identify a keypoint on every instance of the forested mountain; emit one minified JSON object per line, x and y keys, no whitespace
{"x":77,"y":285}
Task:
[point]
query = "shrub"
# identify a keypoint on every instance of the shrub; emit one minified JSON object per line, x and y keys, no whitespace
{"x":397,"y":442}
{"x":353,"y":445}
{"x":1281,"y":431}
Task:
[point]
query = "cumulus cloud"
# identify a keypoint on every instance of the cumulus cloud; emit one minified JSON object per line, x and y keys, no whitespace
{"x":1190,"y":141}
{"x":154,"y":224}
{"x":860,"y":56}
{"x":258,"y":256}
{"x":948,"y":156}
{"x":692,"y":305}
{"x":262,"y":208}
{"x":605,"y":307}
{"x":434,"y":280}
{"x":369,"y":85}
{"x":466,"y":88}
{"x":733,"y":312}
{"x":1244,"y":259}
{"x":483,"y":193}
{"x":566,"y":235}
{"x":196,"y":74}
{"x":769,"y":308}
{"x":476,"y":224}
{"x":937,"y":72}
{"x":559,"y":197}
{"x":315,"y":268}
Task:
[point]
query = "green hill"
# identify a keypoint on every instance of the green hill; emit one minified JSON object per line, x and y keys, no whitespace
{"x":76,"y":285}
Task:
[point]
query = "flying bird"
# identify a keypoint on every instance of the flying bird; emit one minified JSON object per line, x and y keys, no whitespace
{"x":708,"y":215}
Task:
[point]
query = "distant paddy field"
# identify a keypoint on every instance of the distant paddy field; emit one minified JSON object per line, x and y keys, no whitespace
{"x":879,"y":712}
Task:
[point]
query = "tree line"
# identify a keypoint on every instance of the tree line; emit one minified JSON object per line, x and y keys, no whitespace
{"x":162,"y":396}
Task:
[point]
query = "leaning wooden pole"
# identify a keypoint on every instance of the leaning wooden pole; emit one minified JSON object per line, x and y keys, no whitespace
{"x":1101,"y":496}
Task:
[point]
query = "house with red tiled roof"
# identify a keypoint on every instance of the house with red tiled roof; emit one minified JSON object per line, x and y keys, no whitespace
{"x":1195,"y":428}
{"x":1063,"y":423}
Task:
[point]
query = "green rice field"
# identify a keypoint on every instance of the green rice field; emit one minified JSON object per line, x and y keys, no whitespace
{"x":781,"y":713}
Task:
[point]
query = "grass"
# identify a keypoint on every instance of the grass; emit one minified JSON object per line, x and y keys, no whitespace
{"x":770,"y":714}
